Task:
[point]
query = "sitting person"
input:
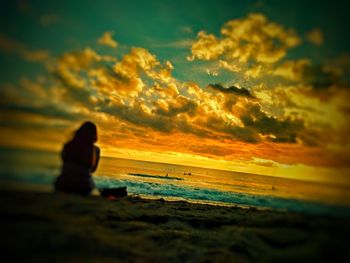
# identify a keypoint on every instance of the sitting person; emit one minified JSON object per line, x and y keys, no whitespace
{"x":80,"y":158}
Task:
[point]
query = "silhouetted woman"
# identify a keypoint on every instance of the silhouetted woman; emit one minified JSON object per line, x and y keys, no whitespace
{"x":80,"y":158}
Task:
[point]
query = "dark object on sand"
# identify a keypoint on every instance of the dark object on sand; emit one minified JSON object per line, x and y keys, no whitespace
{"x":114,"y":192}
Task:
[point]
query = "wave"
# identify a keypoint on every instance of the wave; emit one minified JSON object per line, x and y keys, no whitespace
{"x":212,"y":195}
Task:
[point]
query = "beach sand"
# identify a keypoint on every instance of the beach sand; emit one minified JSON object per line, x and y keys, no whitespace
{"x":48,"y":227}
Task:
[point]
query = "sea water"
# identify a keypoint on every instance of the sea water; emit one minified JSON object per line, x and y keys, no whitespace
{"x":178,"y":182}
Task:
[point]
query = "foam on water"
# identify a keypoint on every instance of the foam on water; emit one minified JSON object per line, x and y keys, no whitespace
{"x":197,"y":194}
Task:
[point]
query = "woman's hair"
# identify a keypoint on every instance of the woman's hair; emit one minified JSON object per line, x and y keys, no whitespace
{"x":86,"y":134}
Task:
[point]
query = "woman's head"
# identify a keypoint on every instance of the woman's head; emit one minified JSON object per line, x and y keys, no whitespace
{"x":87,"y":133}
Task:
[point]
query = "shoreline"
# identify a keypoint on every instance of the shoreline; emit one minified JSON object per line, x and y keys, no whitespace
{"x":62,"y":227}
{"x":27,"y":187}
{"x":339,"y":211}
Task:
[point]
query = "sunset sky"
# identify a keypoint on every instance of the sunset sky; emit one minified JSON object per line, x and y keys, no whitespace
{"x":250,"y":86}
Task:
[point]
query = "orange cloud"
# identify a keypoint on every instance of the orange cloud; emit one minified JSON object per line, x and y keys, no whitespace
{"x":107,"y":40}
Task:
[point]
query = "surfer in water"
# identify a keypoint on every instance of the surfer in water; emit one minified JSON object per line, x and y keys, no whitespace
{"x":80,"y":158}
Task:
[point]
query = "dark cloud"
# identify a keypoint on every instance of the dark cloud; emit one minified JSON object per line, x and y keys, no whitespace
{"x":280,"y":130}
{"x":136,"y":115}
{"x":180,"y":105}
{"x":73,"y":92}
{"x":232,"y":90}
{"x":16,"y":124}
{"x":158,"y":122}
{"x":257,"y":123}
{"x":45,"y":110}
{"x":229,"y":103}
{"x":320,"y":77}
{"x":232,"y":131}
{"x":185,"y":126}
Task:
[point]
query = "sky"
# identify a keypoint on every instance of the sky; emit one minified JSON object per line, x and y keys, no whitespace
{"x":250,"y":86}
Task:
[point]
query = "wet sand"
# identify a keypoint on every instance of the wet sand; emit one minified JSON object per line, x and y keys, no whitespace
{"x":47,"y":227}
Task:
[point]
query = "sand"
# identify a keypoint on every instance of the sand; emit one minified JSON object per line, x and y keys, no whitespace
{"x":48,"y":227}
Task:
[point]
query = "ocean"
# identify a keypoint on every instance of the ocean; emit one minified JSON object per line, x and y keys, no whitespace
{"x":38,"y":169}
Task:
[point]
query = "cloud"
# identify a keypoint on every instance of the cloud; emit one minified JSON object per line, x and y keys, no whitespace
{"x":113,"y":89}
{"x":10,"y":46}
{"x":178,"y":44}
{"x":320,"y":110}
{"x":109,"y":83}
{"x":320,"y":76}
{"x":291,"y":69}
{"x":139,"y":59}
{"x":263,"y":162}
{"x":32,"y":106}
{"x":169,"y":118}
{"x":207,"y":47}
{"x":80,"y":72}
{"x":28,"y":92}
{"x":252,"y":38}
{"x":169,"y":90}
{"x":79,"y":60}
{"x":232,"y":90}
{"x":315,"y":37}
{"x":49,"y":111}
{"x":275,"y":130}
{"x":173,"y":107}
{"x":107,"y":40}
{"x":70,"y":70}
{"x":231,"y":131}
{"x":137,"y":115}
{"x":212,"y":150}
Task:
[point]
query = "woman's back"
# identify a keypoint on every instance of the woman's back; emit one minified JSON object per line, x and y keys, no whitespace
{"x":78,"y":154}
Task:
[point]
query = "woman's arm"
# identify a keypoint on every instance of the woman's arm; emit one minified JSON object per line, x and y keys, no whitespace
{"x":95,"y":158}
